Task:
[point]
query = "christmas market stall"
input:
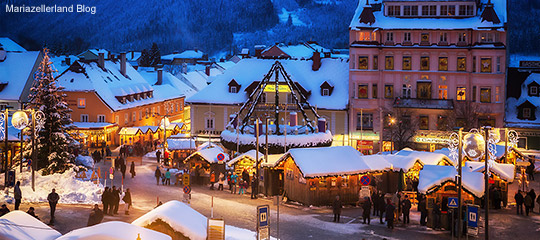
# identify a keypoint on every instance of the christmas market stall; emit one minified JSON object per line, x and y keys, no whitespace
{"x":438,"y":183}
{"x":245,"y":161}
{"x":94,"y":134}
{"x":272,"y":175}
{"x":501,"y":175}
{"x":181,"y":148}
{"x":203,"y":163}
{"x":129,"y":135}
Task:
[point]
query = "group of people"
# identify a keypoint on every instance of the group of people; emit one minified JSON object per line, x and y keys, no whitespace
{"x":165,"y":177}
{"x":52,"y":198}
{"x":235,"y":181}
{"x":31,"y":211}
{"x":528,"y":200}
{"x":111,"y":200}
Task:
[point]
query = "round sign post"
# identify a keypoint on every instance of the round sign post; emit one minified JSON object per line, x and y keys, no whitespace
{"x":365,"y":180}
{"x":220,"y":157}
{"x":187,"y":189}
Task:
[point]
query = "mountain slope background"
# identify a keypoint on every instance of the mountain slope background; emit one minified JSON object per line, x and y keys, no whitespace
{"x":213,"y":26}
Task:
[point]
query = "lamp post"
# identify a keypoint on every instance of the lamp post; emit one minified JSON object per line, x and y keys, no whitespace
{"x":460,"y":222}
{"x":165,"y":123}
{"x":486,"y":183}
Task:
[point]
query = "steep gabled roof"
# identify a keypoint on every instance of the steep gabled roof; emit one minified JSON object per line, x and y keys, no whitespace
{"x":17,"y":74}
{"x":489,"y":14}
{"x":367,"y":16}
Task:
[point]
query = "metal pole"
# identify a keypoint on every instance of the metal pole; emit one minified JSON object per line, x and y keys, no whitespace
{"x":277,"y":216}
{"x":34,"y":156}
{"x":164,"y":136}
{"x":256,"y":155}
{"x":505,"y":145}
{"x":6,"y":118}
{"x":486,"y":184}
{"x":21,"y":151}
{"x":460,"y":223}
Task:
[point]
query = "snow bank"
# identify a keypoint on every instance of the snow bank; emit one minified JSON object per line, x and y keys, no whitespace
{"x":86,"y":161}
{"x":18,"y":225}
{"x":113,"y":230}
{"x":71,"y":189}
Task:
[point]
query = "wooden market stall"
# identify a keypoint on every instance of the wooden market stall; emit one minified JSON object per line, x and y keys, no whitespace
{"x":180,"y":149}
{"x":245,"y":161}
{"x":273,"y":175}
{"x":203,"y":162}
{"x":501,"y":175}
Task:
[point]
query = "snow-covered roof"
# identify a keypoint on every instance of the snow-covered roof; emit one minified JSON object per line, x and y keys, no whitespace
{"x":436,"y":22}
{"x":16,"y":72}
{"x":133,"y":56}
{"x":91,"y":125}
{"x":427,"y":158}
{"x":180,"y":144}
{"x":188,"y":54}
{"x":511,"y":118}
{"x":328,"y":161}
{"x":198,"y":79}
{"x":169,"y":83}
{"x":502,"y":170}
{"x":10,"y":45}
{"x":248,"y":71}
{"x":18,"y":225}
{"x":59,"y":62}
{"x":130,"y":131}
{"x":249,"y":155}
{"x":433,"y":176}
{"x":515,"y":58}
{"x":110,"y":83}
{"x":273,"y":160}
{"x":209,"y":154}
{"x":299,"y":51}
{"x":206,"y":145}
{"x":402,"y":162}
{"x":114,"y":230}
{"x":377,"y":163}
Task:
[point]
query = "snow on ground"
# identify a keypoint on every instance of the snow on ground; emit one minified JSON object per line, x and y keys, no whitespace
{"x":114,"y":230}
{"x":18,"y":225}
{"x":284,"y":17}
{"x":70,"y":188}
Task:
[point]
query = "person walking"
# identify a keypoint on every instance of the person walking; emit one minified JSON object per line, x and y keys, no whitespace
{"x":32,"y":212}
{"x":436,"y":216}
{"x":537,"y":201}
{"x":18,"y":195}
{"x":229,"y":180}
{"x":115,"y":200}
{"x":53,"y":200}
{"x":336,"y":207}
{"x":528,"y":204}
{"x":4,"y":210}
{"x":127,"y":200}
{"x":375,"y":201}
{"x":245,"y":176}
{"x":221,"y":181}
{"x":234,"y":180}
{"x":519,"y":202}
{"x":157,"y":174}
{"x":366,"y":206}
{"x":254,"y":188}
{"x":422,"y":207}
{"x":168,"y":177}
{"x":158,"y":156}
{"x":243,"y":185}
{"x":132,"y":169}
{"x":530,"y":170}
{"x":123,"y":169}
{"x":405,"y":208}
{"x":382,"y":207}
{"x":390,"y":214}
{"x":533,"y":197}
{"x":96,"y":216}
{"x":212,"y":180}
{"x":105,"y":200}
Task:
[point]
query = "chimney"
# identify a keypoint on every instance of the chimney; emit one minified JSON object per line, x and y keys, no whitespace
{"x":321,"y":125}
{"x":123,"y":63}
{"x":159,"y":76}
{"x":316,"y":61}
{"x":132,"y":55}
{"x":207,"y":70}
{"x":101,"y":60}
{"x":68,"y":60}
{"x":109,"y":55}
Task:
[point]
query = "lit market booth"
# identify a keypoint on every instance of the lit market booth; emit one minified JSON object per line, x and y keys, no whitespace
{"x":501,"y":175}
{"x":438,"y":183}
{"x":129,"y":135}
{"x":245,"y":161}
{"x":273,"y":174}
{"x":202,"y":162}
{"x":181,"y":148}
{"x":94,"y":134}
{"x":315,"y":176}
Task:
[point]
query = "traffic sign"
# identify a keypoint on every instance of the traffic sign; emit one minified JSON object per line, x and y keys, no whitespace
{"x":365,"y":180}
{"x":453,"y":202}
{"x":185,"y":179}
{"x":262,"y":222}
{"x":472,"y":216}
{"x":221,"y":157}
{"x":111,"y":170}
{"x":187,"y":189}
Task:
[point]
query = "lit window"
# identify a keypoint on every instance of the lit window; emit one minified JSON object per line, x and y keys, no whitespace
{"x":497,"y":94}
{"x":407,"y":63}
{"x":462,"y":37}
{"x":389,"y":63}
{"x":462,"y":64}
{"x":424,"y":122}
{"x":363,"y":62}
{"x":443,"y":63}
{"x":406,"y":91}
{"x":461,"y":93}
{"x":485,"y":95}
{"x":362,"y":91}
{"x":81,"y":103}
{"x":424,"y":63}
{"x":375,"y":62}
{"x":424,"y":37}
{"x":448,"y":10}
{"x":126,"y":118}
{"x":443,"y":88}
{"x":485,"y":65}
{"x":84,"y":117}
{"x":388,"y":91}
{"x":101,"y":118}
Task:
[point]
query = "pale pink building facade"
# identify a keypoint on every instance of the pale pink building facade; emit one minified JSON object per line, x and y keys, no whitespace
{"x":425,"y":58}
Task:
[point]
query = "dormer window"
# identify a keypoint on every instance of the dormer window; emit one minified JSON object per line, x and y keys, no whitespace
{"x":131,"y":99}
{"x":138,"y":97}
{"x":326,"y":89}
{"x":533,"y":90}
{"x":394,"y":11}
{"x":326,"y":92}
{"x":123,"y":100}
{"x":150,"y":94}
{"x":233,"y":86}
{"x":232,"y":89}
{"x":526,"y":113}
{"x":410,"y":10}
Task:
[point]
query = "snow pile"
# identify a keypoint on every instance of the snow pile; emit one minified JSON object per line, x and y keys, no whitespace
{"x":432,"y":176}
{"x":71,"y":189}
{"x":18,"y":225}
{"x":86,"y":161}
{"x":114,"y":230}
{"x":189,"y":222}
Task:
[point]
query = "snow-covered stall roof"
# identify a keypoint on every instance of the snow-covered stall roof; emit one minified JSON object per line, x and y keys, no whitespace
{"x":180,"y":144}
{"x":249,"y":155}
{"x":511,"y":117}
{"x":206,"y":145}
{"x":10,"y":45}
{"x":16,"y":74}
{"x":130,"y":131}
{"x":92,"y":125}
{"x":250,"y":70}
{"x":18,"y":225}
{"x":209,"y":155}
{"x":433,"y":176}
{"x":377,"y":163}
{"x":146,"y":129}
{"x":328,"y":161}
{"x":404,"y":163}
{"x":474,"y":22}
{"x":114,"y":230}
{"x":169,"y":81}
{"x":273,"y":160}
{"x":427,"y":158}
{"x":502,"y":170}
{"x":189,"y":222}
{"x":109,"y":83}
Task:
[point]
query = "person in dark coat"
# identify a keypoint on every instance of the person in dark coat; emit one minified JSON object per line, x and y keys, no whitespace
{"x":245,"y":176}
{"x":375,"y":201}
{"x":53,"y":200}
{"x":436,"y":216}
{"x":336,"y":207}
{"x":254,"y":188}
{"x":116,"y":199}
{"x":390,"y":214}
{"x":18,"y":195}
{"x":32,"y":212}
{"x":405,"y":209}
{"x":533,"y":196}
{"x":537,"y":201}
{"x":96,"y":216}
{"x":105,"y":200}
{"x":497,"y":198}
{"x":519,"y":202}
{"x":132,"y":169}
{"x":382,"y":207}
{"x":422,"y":207}
{"x":127,"y":200}
{"x":3,"y":210}
{"x":366,"y":206}
{"x":158,"y":156}
{"x":530,"y":170}
{"x":157,"y":174}
{"x":123,"y":169}
{"x":528,"y":203}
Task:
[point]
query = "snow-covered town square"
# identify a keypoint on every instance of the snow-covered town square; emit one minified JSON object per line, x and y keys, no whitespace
{"x":269,"y":119}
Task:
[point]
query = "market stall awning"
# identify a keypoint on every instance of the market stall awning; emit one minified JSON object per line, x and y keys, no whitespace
{"x":434,"y":176}
{"x":92,"y":125}
{"x":181,"y":144}
{"x":130,"y":131}
{"x":247,"y":155}
{"x":504,"y":171}
{"x":209,"y":155}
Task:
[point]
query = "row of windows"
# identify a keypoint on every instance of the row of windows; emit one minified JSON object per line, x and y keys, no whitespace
{"x":100,"y":118}
{"x":424,"y":92}
{"x":485,"y":37}
{"x":364,"y":121}
{"x":429,"y":10}
{"x":485,"y":67}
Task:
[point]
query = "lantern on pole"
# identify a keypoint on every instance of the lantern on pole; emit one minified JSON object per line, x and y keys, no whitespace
{"x":474,"y":145}
{"x":20,"y":120}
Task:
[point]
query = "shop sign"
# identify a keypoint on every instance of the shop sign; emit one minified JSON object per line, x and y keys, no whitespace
{"x":364,"y":145}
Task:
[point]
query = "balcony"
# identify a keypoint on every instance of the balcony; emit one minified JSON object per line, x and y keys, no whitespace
{"x":445,"y":104}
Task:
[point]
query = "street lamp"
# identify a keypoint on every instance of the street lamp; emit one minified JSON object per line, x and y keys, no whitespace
{"x":391,"y":123}
{"x":164,"y":124}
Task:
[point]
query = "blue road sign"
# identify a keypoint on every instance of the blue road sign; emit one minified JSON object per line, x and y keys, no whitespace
{"x":187,"y":189}
{"x":262,"y":212}
{"x":453,"y":202}
{"x":365,"y":180}
{"x":472,"y":216}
